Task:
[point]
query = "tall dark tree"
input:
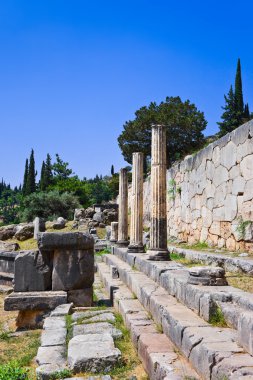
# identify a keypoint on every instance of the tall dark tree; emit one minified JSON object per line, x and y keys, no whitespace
{"x":25,"y":180}
{"x":48,"y":172}
{"x":112,"y":170}
{"x":246,"y":112}
{"x":230,"y":115}
{"x":42,"y":177}
{"x":31,"y":180}
{"x":239,"y":104}
{"x":184,"y":123}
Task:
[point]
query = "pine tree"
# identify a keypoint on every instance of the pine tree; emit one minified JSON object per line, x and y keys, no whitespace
{"x":25,"y":181}
{"x":31,"y":184}
{"x":112,"y":170}
{"x":239,"y":105}
{"x":230,"y":116}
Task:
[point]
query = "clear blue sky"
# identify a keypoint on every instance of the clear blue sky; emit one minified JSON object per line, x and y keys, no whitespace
{"x":73,"y":71}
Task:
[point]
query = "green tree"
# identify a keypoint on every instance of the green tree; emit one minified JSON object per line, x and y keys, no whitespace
{"x":230,"y":115}
{"x":48,"y":172}
{"x":247,"y":112}
{"x":25,"y":181}
{"x":48,"y":205}
{"x":112,"y":170}
{"x":60,"y":169}
{"x":239,"y":104}
{"x":184,"y":122}
{"x":42,"y":177}
{"x":31,"y":179}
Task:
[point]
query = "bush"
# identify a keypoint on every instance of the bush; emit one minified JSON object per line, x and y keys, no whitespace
{"x":48,"y":205}
{"x":12,"y":371}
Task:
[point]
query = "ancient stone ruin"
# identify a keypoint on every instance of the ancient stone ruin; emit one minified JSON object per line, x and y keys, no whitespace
{"x":185,"y":319}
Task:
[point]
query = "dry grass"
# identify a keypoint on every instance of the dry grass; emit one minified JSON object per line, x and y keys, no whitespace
{"x":21,"y":347}
{"x":240,"y":281}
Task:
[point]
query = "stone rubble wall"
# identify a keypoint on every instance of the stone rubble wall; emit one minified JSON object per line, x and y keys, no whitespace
{"x":210,"y":194}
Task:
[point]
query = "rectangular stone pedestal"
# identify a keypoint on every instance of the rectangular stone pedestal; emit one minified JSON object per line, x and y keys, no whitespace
{"x":34,"y":300}
{"x":81,"y":297}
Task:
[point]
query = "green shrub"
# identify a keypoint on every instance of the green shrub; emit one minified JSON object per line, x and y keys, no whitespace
{"x":12,"y":371}
{"x":48,"y":205}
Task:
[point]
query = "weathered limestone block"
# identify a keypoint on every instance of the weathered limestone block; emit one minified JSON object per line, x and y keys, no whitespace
{"x":208,"y":276}
{"x":230,"y":206}
{"x":81,"y":297}
{"x":220,"y":175}
{"x":73,"y":269}
{"x":9,"y":247}
{"x":24,"y":232}
{"x":247,"y":167}
{"x":238,"y":185}
{"x":39,"y":226}
{"x":33,"y":271}
{"x":51,"y":355}
{"x":54,"y":337}
{"x":49,"y":241}
{"x":248,"y":191}
{"x":215,"y":228}
{"x":216,"y":156}
{"x":206,"y":216}
{"x":34,"y":300}
{"x":247,"y":210}
{"x":245,"y":331}
{"x":228,"y":155}
{"x":92,"y":353}
{"x":210,"y":170}
{"x":114,"y":232}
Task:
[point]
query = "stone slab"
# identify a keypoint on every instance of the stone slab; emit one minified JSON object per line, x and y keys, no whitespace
{"x":95,"y":328}
{"x":54,"y":323}
{"x":62,"y":310}
{"x":48,"y":241}
{"x":51,"y":355}
{"x":93,"y":353}
{"x":53,"y":337}
{"x":34,"y":300}
{"x":45,"y":371}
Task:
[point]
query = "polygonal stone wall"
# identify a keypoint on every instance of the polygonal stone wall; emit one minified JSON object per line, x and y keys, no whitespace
{"x":210,"y":194}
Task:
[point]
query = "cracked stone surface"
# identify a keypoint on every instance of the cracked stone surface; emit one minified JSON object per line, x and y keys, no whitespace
{"x":93,"y":353}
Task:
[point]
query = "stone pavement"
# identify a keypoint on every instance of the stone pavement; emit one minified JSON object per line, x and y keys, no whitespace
{"x":208,"y":348}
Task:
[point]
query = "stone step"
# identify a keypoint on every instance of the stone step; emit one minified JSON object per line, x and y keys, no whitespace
{"x":6,"y":278}
{"x":158,"y":355}
{"x":206,"y":301}
{"x":34,"y":300}
{"x":209,"y":349}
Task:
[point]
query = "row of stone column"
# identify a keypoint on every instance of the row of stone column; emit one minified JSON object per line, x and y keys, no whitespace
{"x":158,"y":222}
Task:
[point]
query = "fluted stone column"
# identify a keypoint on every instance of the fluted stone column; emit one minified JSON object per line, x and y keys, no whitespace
{"x":123,"y":209}
{"x":158,"y":223}
{"x":136,"y":226}
{"x":114,"y":232}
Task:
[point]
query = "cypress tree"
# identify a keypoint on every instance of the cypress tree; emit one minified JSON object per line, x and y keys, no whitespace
{"x":42,"y":177}
{"x":239,"y":105}
{"x":230,"y":116}
{"x":25,"y":181}
{"x":31,"y":184}
{"x":48,"y":172}
{"x":112,"y":170}
{"x":246,"y":112}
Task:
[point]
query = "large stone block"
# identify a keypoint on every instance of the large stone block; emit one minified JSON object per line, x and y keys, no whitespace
{"x":33,"y":271}
{"x":73,"y":269}
{"x":34,"y":300}
{"x":81,"y":297}
{"x":245,"y":331}
{"x":48,"y":241}
{"x":92,"y":353}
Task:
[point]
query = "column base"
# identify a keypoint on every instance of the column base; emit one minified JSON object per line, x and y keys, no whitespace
{"x":158,"y":254}
{"x":113,"y":241}
{"x":135,"y":249}
{"x":122,"y":243}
